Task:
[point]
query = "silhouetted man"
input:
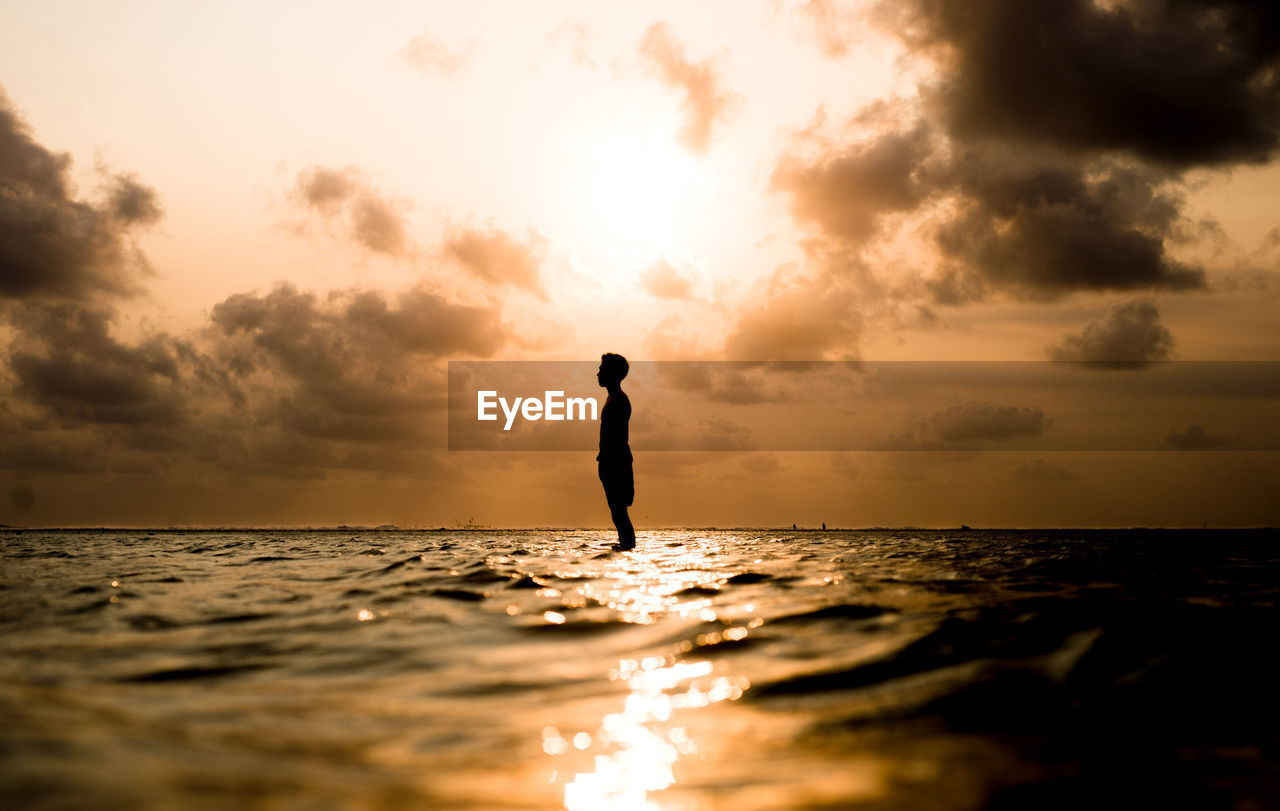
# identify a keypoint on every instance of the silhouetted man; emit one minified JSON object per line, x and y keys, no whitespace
{"x":614,"y":459}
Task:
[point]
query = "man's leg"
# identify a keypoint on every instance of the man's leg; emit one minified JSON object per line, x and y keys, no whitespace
{"x":622,"y":523}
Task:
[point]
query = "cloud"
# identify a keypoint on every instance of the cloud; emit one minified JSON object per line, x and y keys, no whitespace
{"x":721,"y":434}
{"x":70,"y":387}
{"x":499,"y":258}
{"x":1035,"y":225}
{"x":580,"y":38}
{"x":1178,"y":84}
{"x":432,"y":57}
{"x":1048,"y":228}
{"x":845,"y":192}
{"x":346,"y":196}
{"x":733,"y":383}
{"x":52,"y":450}
{"x":22,"y":497}
{"x":663,"y":281}
{"x":970,"y":422}
{"x":66,"y":360}
{"x":706,"y":101}
{"x":132,"y":202}
{"x":282,"y":384}
{"x":26,"y":165}
{"x":51,"y":244}
{"x":314,"y":336}
{"x":796,"y":317}
{"x":350,"y":366}
{"x":1195,"y":438}
{"x":830,"y":23}
{"x":1129,"y":335}
{"x":1038,"y":470}
{"x":326,"y":189}
{"x":1047,"y":152}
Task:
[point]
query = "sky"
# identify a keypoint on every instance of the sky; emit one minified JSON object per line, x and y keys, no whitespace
{"x":240,"y":243}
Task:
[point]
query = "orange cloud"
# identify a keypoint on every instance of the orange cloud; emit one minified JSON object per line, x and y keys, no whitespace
{"x":431,"y":56}
{"x":1129,"y":335}
{"x":662,"y":280}
{"x":706,"y":101}
{"x":346,"y":196}
{"x":796,"y":318}
{"x":499,"y":258}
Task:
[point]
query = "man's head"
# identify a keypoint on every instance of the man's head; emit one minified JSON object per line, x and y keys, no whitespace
{"x":613,"y":368}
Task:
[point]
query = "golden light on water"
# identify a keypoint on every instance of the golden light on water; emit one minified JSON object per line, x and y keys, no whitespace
{"x":636,"y":750}
{"x":641,"y":744}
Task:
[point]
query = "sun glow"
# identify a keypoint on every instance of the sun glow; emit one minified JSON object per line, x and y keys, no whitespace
{"x":639,"y":192}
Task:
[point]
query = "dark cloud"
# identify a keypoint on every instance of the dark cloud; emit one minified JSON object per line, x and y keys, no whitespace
{"x":430,"y":56}
{"x":284,"y":384}
{"x":310,"y":335}
{"x":662,"y":280}
{"x":1039,"y":470}
{"x":52,"y":452}
{"x":26,"y":165}
{"x":66,"y":360}
{"x":1043,"y":230}
{"x":1048,"y":149}
{"x":132,"y":202}
{"x":377,"y":224}
{"x":499,"y":258}
{"x":845,"y":192}
{"x":1175,"y":82}
{"x":1035,"y":225}
{"x":1129,"y":335}
{"x":351,"y":366}
{"x":326,"y":189}
{"x":706,"y":101}
{"x":970,"y":422}
{"x":1195,"y":438}
{"x":346,"y":196}
{"x":51,"y":244}
{"x":70,"y":385}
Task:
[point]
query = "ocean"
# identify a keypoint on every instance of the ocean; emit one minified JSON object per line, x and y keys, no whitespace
{"x":707,"y":669}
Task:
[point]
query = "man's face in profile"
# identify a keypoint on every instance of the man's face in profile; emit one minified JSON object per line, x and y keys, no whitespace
{"x":600,"y":376}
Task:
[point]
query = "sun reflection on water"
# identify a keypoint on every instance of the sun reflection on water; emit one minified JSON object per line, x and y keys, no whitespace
{"x":641,"y":746}
{"x":634,"y":752}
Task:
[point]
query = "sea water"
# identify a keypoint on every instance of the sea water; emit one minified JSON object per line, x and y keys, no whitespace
{"x":707,"y":669}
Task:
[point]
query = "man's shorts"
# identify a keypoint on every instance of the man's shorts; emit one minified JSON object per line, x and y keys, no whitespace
{"x":618,"y":480}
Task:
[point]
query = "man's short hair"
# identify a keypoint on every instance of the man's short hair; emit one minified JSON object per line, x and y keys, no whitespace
{"x":614,"y":365}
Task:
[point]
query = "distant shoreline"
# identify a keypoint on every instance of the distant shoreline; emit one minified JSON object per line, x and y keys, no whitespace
{"x":437,"y":530}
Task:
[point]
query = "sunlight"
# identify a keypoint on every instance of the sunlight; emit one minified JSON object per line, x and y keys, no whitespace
{"x":638,"y":191}
{"x":635,"y":750}
{"x":641,"y":744}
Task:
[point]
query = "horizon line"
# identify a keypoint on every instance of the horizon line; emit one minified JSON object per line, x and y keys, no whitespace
{"x":553,"y":528}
